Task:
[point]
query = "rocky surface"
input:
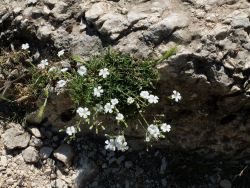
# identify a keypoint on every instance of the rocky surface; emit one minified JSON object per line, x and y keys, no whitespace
{"x":211,"y":68}
{"x":94,"y":167}
{"x":15,"y":137}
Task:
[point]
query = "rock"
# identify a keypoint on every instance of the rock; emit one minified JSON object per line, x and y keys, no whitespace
{"x":44,"y":32}
{"x":209,"y":69}
{"x":86,"y":172}
{"x":45,"y":152}
{"x":220,"y":31}
{"x":59,"y":184}
{"x":3,"y":161}
{"x":166,"y":26}
{"x":64,"y":153}
{"x":30,"y":155}
{"x":163,"y":165}
{"x":15,"y":138}
{"x":35,"y":131}
{"x":113,"y":24}
{"x":128,"y":164}
{"x":240,"y":19}
{"x":225,"y":183}
{"x":36,"y":142}
{"x":97,"y":10}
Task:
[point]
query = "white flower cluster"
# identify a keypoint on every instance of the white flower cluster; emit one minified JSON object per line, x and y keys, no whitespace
{"x":130,"y":100}
{"x":83,"y":112}
{"x":60,"y":86}
{"x":176,"y":96}
{"x":25,"y":46}
{"x":118,"y":143}
{"x":155,"y":131}
{"x":152,"y":99}
{"x":44,"y":63}
{"x":82,"y":70}
{"x":104,"y":73}
{"x":98,"y":91}
{"x":109,"y":107}
{"x":71,"y":130}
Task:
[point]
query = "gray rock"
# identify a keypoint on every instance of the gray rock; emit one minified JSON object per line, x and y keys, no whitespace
{"x":87,"y":171}
{"x":163,"y":165}
{"x":240,"y":19}
{"x":59,"y":184}
{"x":220,"y":31}
{"x":225,"y":183}
{"x":36,"y":142}
{"x":97,"y":10}
{"x":113,"y":25}
{"x":128,"y":164}
{"x":15,"y":138}
{"x":3,"y":161}
{"x":165,"y":27}
{"x":30,"y":155}
{"x":45,"y":31}
{"x":64,"y":153}
{"x":45,"y":152}
{"x":36,"y":132}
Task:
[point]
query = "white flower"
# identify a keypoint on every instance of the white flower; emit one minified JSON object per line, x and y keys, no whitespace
{"x":43,"y":64}
{"x":121,"y":143}
{"x":119,"y":117}
{"x":71,"y":130}
{"x":165,"y":127}
{"x":82,"y":70}
{"x":110,"y":144}
{"x":25,"y":46}
{"x":98,"y":91}
{"x":60,"y":53}
{"x":176,"y":96}
{"x":99,"y":108}
{"x":114,"y":101}
{"x":154,"y":131}
{"x":104,"y":73}
{"x":83,"y":112}
{"x":153,"y":99}
{"x":130,"y":100}
{"x":108,"y":108}
{"x":118,"y":143}
{"x":147,"y":139}
{"x":144,"y":94}
{"x":64,"y":69}
{"x":61,"y":84}
{"x":52,"y":69}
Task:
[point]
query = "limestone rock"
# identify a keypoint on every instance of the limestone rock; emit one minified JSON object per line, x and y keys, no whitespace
{"x":87,"y":171}
{"x":166,"y":26}
{"x":64,"y":153}
{"x":97,"y":10}
{"x":35,"y":131}
{"x":36,"y":142}
{"x":30,"y":155}
{"x":3,"y":161}
{"x":15,"y":138}
{"x":45,"y":152}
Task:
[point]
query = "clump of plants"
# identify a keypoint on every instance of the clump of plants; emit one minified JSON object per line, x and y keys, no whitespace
{"x":111,"y":86}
